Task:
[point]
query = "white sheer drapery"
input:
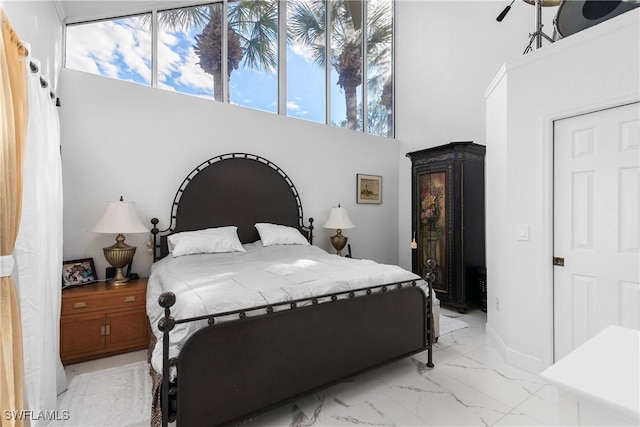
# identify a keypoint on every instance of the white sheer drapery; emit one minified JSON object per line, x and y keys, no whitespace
{"x":38,"y":250}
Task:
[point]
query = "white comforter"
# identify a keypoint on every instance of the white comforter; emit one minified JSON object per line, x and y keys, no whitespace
{"x":215,"y":283}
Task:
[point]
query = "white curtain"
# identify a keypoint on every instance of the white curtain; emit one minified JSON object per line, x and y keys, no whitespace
{"x":38,"y":250}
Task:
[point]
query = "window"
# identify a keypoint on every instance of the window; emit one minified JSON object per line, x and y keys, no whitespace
{"x":380,"y":67}
{"x":190,"y":55}
{"x":189,"y":49}
{"x":346,"y":63}
{"x":253,"y":53}
{"x":336,"y":58}
{"x":306,"y":50}
{"x":118,"y":48}
{"x":307,"y":59}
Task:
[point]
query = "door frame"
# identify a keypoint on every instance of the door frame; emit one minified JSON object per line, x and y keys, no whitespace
{"x":547,"y":124}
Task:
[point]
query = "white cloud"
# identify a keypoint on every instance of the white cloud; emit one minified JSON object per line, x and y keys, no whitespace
{"x":292,"y":106}
{"x":180,"y":64}
{"x":191,"y":74}
{"x":165,"y":86}
{"x":168,"y":60}
{"x":109,"y":69}
{"x":167,"y":38}
{"x":112,"y":46}
{"x":116,"y":47}
{"x":134,"y":46}
{"x":295,"y":109}
{"x":81,"y":62}
{"x":302,"y":51}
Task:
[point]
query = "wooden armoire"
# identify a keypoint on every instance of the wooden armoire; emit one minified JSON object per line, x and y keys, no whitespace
{"x":448,"y":220}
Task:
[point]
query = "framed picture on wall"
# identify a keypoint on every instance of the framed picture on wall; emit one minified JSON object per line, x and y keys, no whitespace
{"x":369,"y":189}
{"x":78,"y":272}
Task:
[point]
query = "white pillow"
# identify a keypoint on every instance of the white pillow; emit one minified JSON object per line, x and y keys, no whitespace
{"x":273,"y":234}
{"x":207,"y":241}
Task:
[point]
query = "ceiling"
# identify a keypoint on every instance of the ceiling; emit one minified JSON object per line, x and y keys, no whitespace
{"x":87,"y":10}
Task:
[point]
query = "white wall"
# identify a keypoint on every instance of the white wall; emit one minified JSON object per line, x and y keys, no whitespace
{"x":590,"y":70}
{"x":38,"y":23}
{"x":447,"y":54}
{"x":122,"y":138}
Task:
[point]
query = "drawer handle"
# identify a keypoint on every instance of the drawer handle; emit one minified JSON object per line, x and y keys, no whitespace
{"x":80,"y":305}
{"x":131,"y":298}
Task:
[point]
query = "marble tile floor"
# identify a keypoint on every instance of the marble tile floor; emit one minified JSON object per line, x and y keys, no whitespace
{"x":470,"y":385}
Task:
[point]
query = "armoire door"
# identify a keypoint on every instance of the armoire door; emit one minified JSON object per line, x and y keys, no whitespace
{"x":434,"y":207}
{"x":596,"y":221}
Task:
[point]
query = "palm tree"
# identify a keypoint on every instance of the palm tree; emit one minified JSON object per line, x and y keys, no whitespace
{"x":307,"y":27}
{"x":251,"y":36}
{"x":208,"y":47}
{"x":379,"y":72}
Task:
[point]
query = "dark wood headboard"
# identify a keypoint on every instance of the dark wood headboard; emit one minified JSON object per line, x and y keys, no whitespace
{"x":233,"y":189}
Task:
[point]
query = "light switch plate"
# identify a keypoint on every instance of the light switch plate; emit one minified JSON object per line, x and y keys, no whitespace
{"x":522,"y":232}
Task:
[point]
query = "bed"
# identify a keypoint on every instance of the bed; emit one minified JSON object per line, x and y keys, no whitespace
{"x":238,"y":332}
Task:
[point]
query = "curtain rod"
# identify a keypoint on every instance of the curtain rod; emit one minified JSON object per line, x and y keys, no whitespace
{"x":43,"y":82}
{"x":24,"y":51}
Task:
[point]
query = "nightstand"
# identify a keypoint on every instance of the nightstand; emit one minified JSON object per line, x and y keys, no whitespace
{"x":99,"y":320}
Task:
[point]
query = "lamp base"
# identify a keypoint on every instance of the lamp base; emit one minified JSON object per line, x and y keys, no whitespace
{"x":119,"y":255}
{"x":119,"y":279}
{"x":339,"y":241}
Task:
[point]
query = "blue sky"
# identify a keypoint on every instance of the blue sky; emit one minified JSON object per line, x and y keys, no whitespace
{"x":122,"y":49}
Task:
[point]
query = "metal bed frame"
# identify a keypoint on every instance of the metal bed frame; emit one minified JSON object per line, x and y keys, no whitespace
{"x":232,"y":371}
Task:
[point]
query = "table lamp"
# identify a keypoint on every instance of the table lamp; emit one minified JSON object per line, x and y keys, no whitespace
{"x":339,"y":220}
{"x":118,"y":218}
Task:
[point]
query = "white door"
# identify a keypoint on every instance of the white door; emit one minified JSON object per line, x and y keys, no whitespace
{"x":596,"y":217}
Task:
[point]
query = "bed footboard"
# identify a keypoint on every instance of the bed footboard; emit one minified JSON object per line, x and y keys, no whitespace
{"x":232,"y":371}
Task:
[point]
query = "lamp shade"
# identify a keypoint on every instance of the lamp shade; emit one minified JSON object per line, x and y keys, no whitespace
{"x":339,"y":219}
{"x":120,"y":217}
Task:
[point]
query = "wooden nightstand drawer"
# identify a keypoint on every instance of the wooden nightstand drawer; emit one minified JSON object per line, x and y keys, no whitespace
{"x":86,"y":304}
{"x":100,"y":320}
{"x":81,"y":305}
{"x":125,"y":299}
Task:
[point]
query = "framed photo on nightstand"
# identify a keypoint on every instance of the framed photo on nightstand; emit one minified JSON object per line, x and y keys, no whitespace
{"x":78,"y":272}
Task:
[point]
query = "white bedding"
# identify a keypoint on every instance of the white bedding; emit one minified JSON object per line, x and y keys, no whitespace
{"x":215,"y":283}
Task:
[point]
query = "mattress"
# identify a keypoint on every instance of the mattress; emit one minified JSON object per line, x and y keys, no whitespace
{"x":206,"y":284}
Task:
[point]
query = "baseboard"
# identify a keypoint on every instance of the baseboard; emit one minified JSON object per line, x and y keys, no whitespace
{"x":514,"y":358}
{"x":492,"y":337}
